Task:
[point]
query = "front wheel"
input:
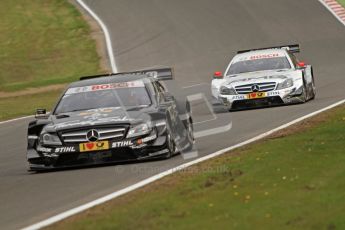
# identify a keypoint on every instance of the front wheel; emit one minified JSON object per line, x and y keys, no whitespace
{"x":190,"y":133}
{"x":313,"y":90}
{"x":304,"y":96}
{"x":170,"y":143}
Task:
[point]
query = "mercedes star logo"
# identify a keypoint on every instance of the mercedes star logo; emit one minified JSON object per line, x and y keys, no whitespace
{"x":255,"y":88}
{"x":92,"y":135}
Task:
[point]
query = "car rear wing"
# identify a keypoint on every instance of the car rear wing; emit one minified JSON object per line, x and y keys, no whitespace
{"x":292,"y":48}
{"x":161,"y":74}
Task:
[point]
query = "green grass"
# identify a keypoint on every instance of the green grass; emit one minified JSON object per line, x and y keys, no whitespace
{"x":43,"y":43}
{"x":27,"y":105}
{"x":295,"y":182}
{"x":342,"y":2}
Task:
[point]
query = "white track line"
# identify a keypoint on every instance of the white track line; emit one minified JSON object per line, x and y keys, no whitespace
{"x":106,"y":34}
{"x":149,"y":180}
{"x":16,"y":119}
{"x":328,"y":5}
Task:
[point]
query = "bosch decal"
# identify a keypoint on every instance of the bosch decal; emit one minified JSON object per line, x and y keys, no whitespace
{"x":262,"y":56}
{"x":111,"y":86}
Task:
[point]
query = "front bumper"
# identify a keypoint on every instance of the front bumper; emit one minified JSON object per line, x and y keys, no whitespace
{"x":149,"y":147}
{"x":290,"y":95}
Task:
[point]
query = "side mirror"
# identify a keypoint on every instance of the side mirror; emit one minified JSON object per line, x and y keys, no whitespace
{"x":41,"y":114}
{"x":301,"y":64}
{"x":166,"y":102}
{"x":217,"y":75}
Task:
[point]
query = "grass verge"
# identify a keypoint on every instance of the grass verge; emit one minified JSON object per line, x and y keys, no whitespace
{"x":43,"y":43}
{"x":27,"y":105}
{"x":292,"y":180}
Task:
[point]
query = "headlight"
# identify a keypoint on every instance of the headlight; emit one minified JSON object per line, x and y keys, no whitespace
{"x":227,"y":91}
{"x":50,"y":139}
{"x":285,"y":84}
{"x":139,"y":130}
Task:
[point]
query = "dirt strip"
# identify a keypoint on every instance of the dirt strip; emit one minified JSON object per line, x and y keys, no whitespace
{"x":31,"y":91}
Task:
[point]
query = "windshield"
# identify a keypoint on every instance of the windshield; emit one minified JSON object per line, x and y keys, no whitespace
{"x":125,"y":94}
{"x":259,"y":65}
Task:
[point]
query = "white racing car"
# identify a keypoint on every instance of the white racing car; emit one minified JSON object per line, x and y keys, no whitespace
{"x":264,"y":77}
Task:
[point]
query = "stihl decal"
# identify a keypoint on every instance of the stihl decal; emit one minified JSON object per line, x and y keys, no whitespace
{"x":64,"y":150}
{"x":122,"y":144}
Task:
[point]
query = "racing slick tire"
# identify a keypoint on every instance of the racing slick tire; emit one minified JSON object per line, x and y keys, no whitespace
{"x":190,"y":134}
{"x":313,"y":91}
{"x":304,"y":96}
{"x":171,"y":146}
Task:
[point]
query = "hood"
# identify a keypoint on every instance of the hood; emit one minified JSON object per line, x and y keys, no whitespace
{"x":260,"y":76}
{"x":103,"y":116}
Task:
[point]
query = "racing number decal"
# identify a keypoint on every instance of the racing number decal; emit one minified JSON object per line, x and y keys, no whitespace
{"x":93,"y":146}
{"x":260,"y":94}
{"x":257,"y":95}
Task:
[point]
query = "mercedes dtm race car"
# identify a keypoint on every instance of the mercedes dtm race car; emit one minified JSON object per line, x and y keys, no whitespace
{"x":110,"y":118}
{"x":264,"y":77}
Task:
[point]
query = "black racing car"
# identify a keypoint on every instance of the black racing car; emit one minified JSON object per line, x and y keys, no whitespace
{"x":110,"y":118}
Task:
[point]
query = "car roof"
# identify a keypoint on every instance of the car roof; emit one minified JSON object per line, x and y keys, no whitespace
{"x":109,"y":79}
{"x":249,"y":54}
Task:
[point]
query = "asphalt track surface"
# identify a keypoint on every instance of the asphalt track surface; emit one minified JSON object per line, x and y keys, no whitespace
{"x":196,"y":37}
